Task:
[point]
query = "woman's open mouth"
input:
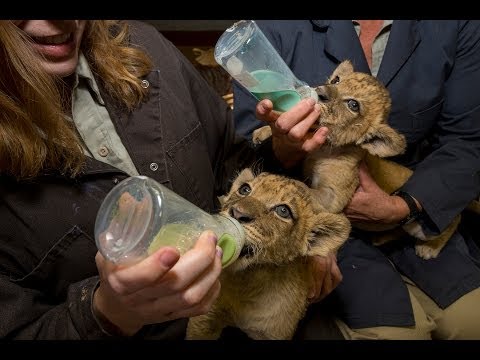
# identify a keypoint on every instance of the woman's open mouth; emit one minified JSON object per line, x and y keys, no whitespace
{"x":53,"y":40}
{"x":55,"y":47}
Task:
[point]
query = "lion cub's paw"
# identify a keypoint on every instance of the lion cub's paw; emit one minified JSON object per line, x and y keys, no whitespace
{"x":261,"y":134}
{"x":427,"y":251}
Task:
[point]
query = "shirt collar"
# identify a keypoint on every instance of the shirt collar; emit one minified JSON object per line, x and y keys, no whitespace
{"x":83,"y":71}
{"x":385,"y":23}
{"x":325,"y":23}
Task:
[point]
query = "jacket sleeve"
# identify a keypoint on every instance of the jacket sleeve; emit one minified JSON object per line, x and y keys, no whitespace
{"x":37,"y":303}
{"x":244,"y":101}
{"x":449,"y":178}
{"x":27,"y":314}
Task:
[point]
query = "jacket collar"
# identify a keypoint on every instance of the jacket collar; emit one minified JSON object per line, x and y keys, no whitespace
{"x":404,"y":39}
{"x":342,"y":43}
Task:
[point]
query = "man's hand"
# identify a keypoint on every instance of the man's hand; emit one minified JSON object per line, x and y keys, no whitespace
{"x":292,"y":137}
{"x":326,"y":275}
{"x":371,"y":204}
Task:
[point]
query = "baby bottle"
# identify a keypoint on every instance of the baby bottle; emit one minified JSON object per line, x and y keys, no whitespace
{"x":247,"y":55}
{"x":139,"y":215}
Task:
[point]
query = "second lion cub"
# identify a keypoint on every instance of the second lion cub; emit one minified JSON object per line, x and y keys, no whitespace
{"x":355,"y":107}
{"x":264,"y":292}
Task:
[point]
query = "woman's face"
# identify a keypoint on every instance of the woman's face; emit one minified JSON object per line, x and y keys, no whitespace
{"x":57,"y":40}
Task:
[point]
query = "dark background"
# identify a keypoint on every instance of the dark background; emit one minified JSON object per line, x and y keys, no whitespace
{"x":189,"y":34}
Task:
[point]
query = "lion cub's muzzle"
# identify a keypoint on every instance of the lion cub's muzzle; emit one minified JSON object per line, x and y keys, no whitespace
{"x":245,"y":212}
{"x":240,"y":214}
{"x":243,"y":217}
{"x":323,"y":95}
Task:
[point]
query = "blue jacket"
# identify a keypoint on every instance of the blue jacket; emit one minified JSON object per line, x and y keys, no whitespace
{"x":432,"y":70}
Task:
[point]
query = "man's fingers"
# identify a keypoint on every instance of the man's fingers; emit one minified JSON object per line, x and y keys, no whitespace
{"x":265,"y":112}
{"x":298,"y":131}
{"x":327,"y":276}
{"x":366,"y":181}
{"x":336,"y":274}
{"x":296,"y":114}
{"x":327,"y":286}
{"x":320,"y":266}
{"x":318,"y":139}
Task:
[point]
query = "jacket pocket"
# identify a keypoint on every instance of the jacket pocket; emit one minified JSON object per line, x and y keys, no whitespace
{"x":428,"y":112}
{"x":421,"y":122}
{"x":70,"y":259}
{"x":191,"y":173}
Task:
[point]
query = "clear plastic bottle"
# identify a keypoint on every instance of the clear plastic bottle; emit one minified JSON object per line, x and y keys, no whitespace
{"x":139,"y":215}
{"x":246,"y":54}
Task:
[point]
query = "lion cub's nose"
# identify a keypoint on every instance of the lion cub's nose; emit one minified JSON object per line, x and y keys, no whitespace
{"x":322,"y":94}
{"x":240,"y":215}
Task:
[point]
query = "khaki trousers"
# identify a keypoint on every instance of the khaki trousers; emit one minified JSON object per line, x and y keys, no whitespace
{"x":460,"y":321}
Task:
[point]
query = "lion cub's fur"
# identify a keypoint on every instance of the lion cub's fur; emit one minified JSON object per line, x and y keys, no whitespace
{"x":355,"y":108}
{"x":264,"y":292}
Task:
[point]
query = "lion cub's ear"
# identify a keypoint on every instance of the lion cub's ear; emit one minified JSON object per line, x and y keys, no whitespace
{"x":244,"y":176}
{"x":344,"y":68}
{"x":382,"y":140}
{"x":329,"y":231}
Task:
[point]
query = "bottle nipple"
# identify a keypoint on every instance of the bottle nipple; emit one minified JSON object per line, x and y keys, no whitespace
{"x":230,"y":247}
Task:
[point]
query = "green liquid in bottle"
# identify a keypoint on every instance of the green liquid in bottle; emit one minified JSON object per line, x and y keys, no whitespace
{"x":180,"y":236}
{"x":275,"y":87}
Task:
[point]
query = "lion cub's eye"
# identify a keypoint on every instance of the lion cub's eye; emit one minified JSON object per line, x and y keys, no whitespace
{"x":353,"y":105}
{"x":335,"y":80}
{"x":283,"y":211}
{"x":245,"y":189}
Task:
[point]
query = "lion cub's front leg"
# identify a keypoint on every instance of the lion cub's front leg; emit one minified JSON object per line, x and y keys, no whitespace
{"x":261,"y":134}
{"x":204,"y":327}
{"x":430,"y":247}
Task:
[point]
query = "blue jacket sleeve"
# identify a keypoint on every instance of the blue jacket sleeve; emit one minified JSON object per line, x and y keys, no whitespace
{"x":449,"y":178}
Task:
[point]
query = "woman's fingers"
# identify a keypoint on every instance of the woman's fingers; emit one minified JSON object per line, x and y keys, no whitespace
{"x":130,"y":279}
{"x":193,"y":263}
{"x":190,"y":290}
{"x":197,"y":309}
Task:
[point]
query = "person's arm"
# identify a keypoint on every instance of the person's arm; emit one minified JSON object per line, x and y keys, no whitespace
{"x":26,"y":313}
{"x":138,"y":300}
{"x":449,"y":178}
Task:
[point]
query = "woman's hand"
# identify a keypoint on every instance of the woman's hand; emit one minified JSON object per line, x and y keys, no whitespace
{"x":162,"y":287}
{"x":292,"y":137}
{"x":326,"y":276}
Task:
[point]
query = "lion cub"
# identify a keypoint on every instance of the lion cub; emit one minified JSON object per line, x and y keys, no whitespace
{"x":355,"y":108}
{"x":264,"y":292}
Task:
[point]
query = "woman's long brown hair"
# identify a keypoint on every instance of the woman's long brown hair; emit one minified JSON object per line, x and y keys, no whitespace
{"x":34,"y":132}
{"x":117,"y":64}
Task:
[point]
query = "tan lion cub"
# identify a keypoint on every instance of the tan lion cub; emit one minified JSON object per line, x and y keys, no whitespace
{"x":264,"y":292}
{"x":355,"y":108}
